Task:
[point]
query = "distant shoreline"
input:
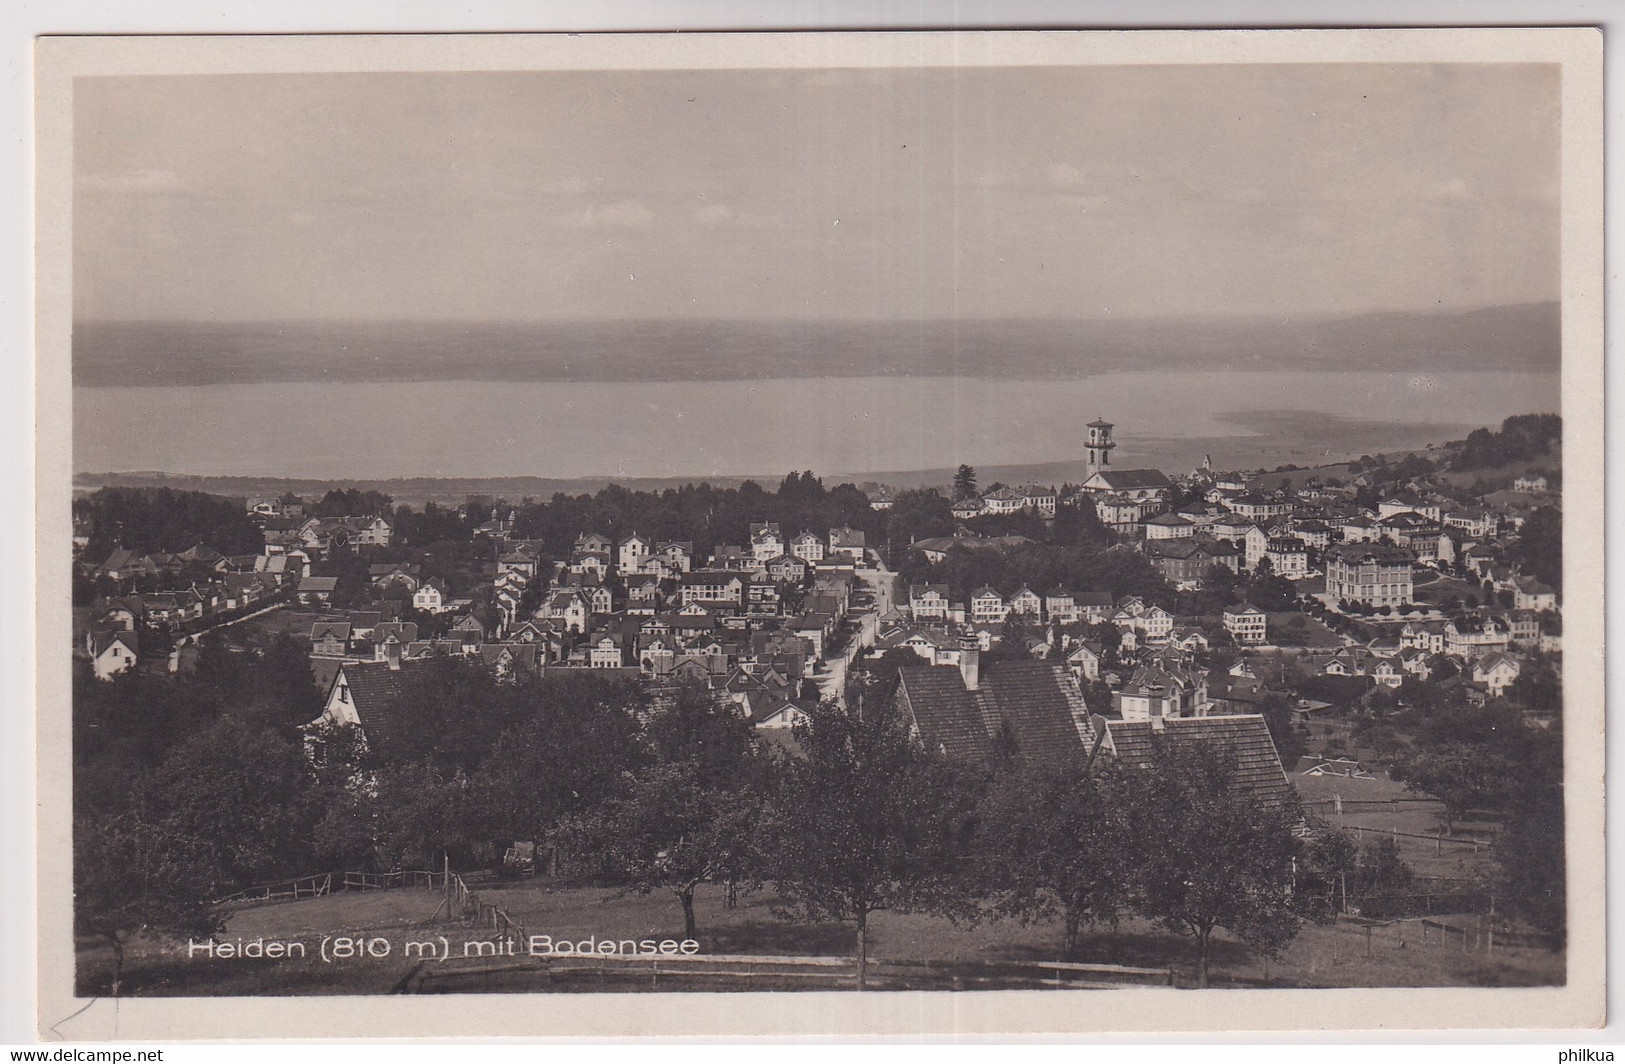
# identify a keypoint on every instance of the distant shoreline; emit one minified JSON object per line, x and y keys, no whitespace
{"x":440,"y":489}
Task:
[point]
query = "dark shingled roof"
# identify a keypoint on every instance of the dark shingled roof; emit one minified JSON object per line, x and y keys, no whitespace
{"x":374,"y":689}
{"x":945,"y":714}
{"x":1126,"y":479}
{"x":1036,"y":700}
{"x":1041,"y":705}
{"x":1258,"y":766}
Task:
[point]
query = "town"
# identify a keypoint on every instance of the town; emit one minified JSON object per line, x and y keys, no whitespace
{"x":1381,"y":575}
{"x":1296,"y":619}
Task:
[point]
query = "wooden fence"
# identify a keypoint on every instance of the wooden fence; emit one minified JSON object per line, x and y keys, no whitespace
{"x":757,"y":972}
{"x":308,"y":887}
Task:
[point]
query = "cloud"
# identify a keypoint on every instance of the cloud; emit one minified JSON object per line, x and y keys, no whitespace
{"x":1064,"y":175}
{"x":623,"y":214}
{"x":723,"y":216}
{"x":133,"y":181}
{"x":1083,"y":202}
{"x":1454,"y":189}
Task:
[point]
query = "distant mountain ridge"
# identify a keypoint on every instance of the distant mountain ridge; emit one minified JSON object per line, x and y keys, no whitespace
{"x":1525,"y":337}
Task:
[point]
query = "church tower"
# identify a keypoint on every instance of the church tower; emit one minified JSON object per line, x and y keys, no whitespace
{"x":1100,"y":446}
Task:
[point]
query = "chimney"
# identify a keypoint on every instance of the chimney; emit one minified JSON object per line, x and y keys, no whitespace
{"x":970,"y":660}
{"x":392,"y":652}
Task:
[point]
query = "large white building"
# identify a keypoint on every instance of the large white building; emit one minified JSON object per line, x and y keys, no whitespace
{"x":1372,"y":574}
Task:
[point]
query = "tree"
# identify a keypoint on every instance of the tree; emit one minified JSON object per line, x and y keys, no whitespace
{"x":687,"y":818}
{"x":562,"y":761}
{"x":964,"y":482}
{"x":410,"y":815}
{"x":240,"y":798}
{"x":863,"y":822}
{"x":131,"y":874}
{"x":1208,"y":854}
{"x":669,"y":829}
{"x":1290,"y":743}
{"x":1459,"y":775}
{"x":1048,"y":841}
{"x":1530,"y":855}
{"x":1538,"y":549}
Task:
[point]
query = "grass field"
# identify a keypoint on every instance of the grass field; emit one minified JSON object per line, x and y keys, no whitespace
{"x":1320,"y":957}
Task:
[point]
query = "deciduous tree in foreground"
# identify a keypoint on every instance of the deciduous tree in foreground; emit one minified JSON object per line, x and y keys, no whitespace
{"x":864,"y":821}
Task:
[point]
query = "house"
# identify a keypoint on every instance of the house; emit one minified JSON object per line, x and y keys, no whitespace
{"x":631,"y":552}
{"x":1256,"y":508}
{"x":1409,"y":503}
{"x":606,"y":652}
{"x":933,"y":646}
{"x":1315,"y":534}
{"x":1093,"y":606}
{"x":1162,"y":689}
{"x":508,"y":661}
{"x":1476,"y":521}
{"x":1388,"y":672}
{"x":1371,"y":574}
{"x":1531,"y":594}
{"x":1188,"y":639}
{"x":330,"y":639}
{"x":880,"y":499}
{"x":765,"y":541}
{"x":1168,"y":526}
{"x":112,"y":652}
{"x":965,"y":509}
{"x":847,"y":541}
{"x":1185,"y":562}
{"x":1153,"y":622}
{"x":966,"y":711}
{"x":1003,"y":501}
{"x":642,"y":594}
{"x":1140,"y":485}
{"x":1039,"y":499}
{"x":317,"y":589}
{"x":569,"y":607}
{"x":1496,"y":672}
{"x":1084,"y":660}
{"x":808,"y":547}
{"x":928,"y":602}
{"x":1026,"y":603}
{"x":1523,"y":626}
{"x":1061,"y":606}
{"x":987,"y":606}
{"x":362,"y":695}
{"x":1257,"y":765}
{"x":372,"y":532}
{"x":787,"y":569}
{"x":1288,"y":557}
{"x":678,"y":555}
{"x":1426,"y":636}
{"x":1530,"y":483}
{"x":713,"y":587}
{"x":787,"y":714}
{"x":1246,"y":623}
{"x":1474,"y":634}
{"x":404,"y":576}
{"x":762,"y":595}
{"x":1251,"y":540}
{"x":1349,"y":661}
{"x":430,"y":597}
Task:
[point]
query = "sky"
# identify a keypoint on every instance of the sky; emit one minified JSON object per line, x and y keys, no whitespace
{"x":1079,"y":192}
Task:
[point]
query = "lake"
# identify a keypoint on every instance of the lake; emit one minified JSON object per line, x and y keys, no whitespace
{"x":837,"y":426}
